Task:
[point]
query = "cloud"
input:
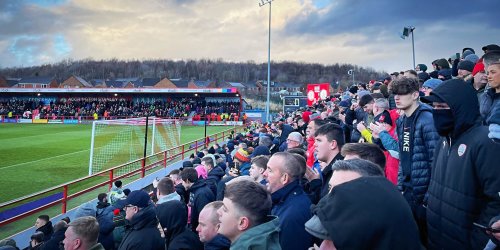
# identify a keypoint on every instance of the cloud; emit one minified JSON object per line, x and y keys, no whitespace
{"x":338,"y":31}
{"x":343,"y":16}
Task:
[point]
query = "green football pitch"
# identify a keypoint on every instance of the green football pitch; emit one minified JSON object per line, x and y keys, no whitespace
{"x":35,"y":157}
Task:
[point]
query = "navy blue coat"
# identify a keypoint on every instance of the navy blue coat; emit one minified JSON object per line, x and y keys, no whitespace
{"x":287,"y":129}
{"x":219,"y":242}
{"x":104,"y":217}
{"x":487,"y":101}
{"x":292,"y":206}
{"x":424,"y":138}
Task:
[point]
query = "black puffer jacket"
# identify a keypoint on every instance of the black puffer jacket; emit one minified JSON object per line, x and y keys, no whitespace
{"x":142,"y":231}
{"x":465,"y":175}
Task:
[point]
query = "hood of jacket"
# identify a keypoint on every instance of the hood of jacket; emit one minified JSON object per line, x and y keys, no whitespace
{"x":260,"y":150}
{"x":172,"y":216}
{"x":174,"y":196}
{"x":287,"y":129}
{"x":216,"y":172}
{"x":393,"y":226}
{"x":263,"y":236}
{"x":463,"y":102}
{"x":86,"y":209}
{"x":200,"y":183}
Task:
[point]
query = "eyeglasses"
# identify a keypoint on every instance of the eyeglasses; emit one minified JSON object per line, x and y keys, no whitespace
{"x":290,"y":140}
{"x":128,"y":206}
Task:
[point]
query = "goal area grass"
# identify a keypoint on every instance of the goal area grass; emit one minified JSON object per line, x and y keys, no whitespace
{"x":35,"y":157}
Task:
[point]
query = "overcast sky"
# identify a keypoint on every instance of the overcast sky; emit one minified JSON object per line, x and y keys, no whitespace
{"x":364,"y":32}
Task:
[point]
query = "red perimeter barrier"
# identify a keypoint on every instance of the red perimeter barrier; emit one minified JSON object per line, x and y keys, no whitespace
{"x":109,"y":172}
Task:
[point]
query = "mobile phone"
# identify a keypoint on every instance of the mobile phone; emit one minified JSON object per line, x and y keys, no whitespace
{"x":490,"y":229}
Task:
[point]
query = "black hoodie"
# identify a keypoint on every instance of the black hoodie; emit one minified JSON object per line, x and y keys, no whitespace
{"x":173,"y":216}
{"x":465,"y":178}
{"x":199,"y":196}
{"x":368,"y":213}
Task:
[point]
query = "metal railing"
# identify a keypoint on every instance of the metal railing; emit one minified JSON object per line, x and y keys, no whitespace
{"x":165,"y":156}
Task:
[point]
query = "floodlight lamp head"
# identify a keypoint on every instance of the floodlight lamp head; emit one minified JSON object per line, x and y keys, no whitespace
{"x":406,"y":31}
{"x":264,"y":2}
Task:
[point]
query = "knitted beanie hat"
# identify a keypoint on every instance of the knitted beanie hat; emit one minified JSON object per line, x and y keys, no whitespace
{"x":242,"y":155}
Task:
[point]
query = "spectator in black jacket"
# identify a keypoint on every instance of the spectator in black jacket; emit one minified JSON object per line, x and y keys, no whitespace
{"x":36,"y":241}
{"x":57,"y":237}
{"x":329,"y":140}
{"x":173,"y":219}
{"x":465,"y":177}
{"x":141,"y":231}
{"x":214,"y":172}
{"x":43,"y":224}
{"x":199,"y":194}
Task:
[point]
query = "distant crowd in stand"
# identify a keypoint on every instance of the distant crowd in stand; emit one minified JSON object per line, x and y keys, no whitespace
{"x":407,"y":162}
{"x":112,"y":108}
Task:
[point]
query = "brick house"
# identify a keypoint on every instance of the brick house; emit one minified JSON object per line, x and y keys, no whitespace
{"x":75,"y":82}
{"x":37,"y":82}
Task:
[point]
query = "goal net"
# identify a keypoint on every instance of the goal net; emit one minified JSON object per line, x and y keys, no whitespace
{"x":115,"y":142}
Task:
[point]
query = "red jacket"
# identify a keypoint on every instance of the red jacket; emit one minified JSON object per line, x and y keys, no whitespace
{"x":391,"y":163}
{"x":310,"y":152}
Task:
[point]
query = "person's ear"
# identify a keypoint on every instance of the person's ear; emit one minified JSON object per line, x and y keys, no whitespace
{"x":78,"y":243}
{"x":415,"y":95}
{"x":243,"y":224}
{"x":333,"y":144}
{"x":285,"y":177}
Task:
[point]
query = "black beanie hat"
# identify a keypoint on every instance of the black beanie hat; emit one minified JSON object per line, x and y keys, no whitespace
{"x":466,"y":65}
{"x":353,"y":89}
{"x":187,"y":164}
{"x":365,"y":100}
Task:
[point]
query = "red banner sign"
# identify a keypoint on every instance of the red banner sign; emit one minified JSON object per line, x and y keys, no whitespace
{"x":316,"y":92}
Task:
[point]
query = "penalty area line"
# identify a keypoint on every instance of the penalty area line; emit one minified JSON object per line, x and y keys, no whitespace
{"x":48,"y":158}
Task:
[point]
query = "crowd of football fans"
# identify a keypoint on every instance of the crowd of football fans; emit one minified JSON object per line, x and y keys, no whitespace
{"x":404,"y":162}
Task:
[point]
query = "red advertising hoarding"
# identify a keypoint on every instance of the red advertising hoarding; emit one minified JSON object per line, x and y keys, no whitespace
{"x":316,"y":92}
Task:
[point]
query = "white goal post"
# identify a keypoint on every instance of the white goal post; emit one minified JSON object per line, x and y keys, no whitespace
{"x":115,"y":142}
